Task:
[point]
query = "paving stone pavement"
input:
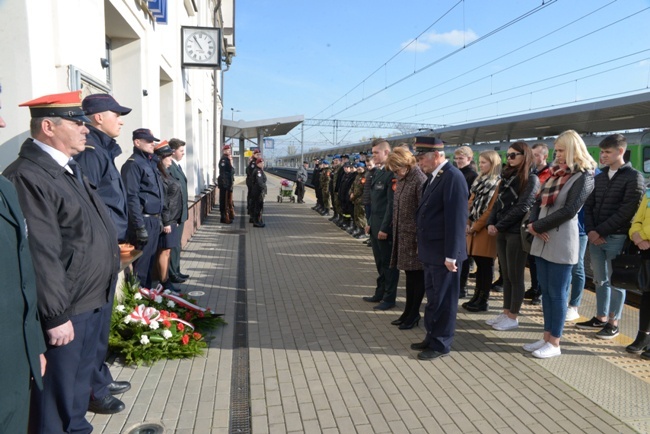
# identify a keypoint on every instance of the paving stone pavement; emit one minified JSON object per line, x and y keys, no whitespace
{"x":321,"y":360}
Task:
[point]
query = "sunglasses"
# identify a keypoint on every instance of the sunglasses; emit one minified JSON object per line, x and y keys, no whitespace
{"x":513,"y":155}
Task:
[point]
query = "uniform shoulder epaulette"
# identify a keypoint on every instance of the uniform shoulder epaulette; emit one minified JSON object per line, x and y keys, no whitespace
{"x":131,"y":159}
{"x":90,"y":147}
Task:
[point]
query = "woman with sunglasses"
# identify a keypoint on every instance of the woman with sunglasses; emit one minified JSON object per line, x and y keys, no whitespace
{"x":517,"y":191}
{"x":408,"y":187}
{"x":554,"y":223}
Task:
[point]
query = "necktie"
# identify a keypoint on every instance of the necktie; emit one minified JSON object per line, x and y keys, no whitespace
{"x":76,"y":170}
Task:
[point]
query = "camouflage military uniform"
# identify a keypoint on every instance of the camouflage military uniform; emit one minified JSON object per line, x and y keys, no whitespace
{"x":325,"y":187}
{"x":357,"y":191}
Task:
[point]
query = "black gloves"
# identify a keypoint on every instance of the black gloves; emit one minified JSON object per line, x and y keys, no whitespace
{"x":141,"y":235}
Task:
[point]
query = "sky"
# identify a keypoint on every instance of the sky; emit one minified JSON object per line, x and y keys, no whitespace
{"x":432,"y":62}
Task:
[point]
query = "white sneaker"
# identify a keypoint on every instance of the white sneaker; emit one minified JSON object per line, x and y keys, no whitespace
{"x":534,"y":346}
{"x":506,"y":324}
{"x":572,"y":314}
{"x":547,"y":351}
{"x":495,"y":319}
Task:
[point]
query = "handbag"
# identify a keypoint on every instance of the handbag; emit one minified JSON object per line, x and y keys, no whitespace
{"x":526,"y":237}
{"x":627,"y":267}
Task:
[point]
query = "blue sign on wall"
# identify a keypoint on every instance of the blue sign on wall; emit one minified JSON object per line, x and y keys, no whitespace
{"x":269,"y":143}
{"x":159,"y":10}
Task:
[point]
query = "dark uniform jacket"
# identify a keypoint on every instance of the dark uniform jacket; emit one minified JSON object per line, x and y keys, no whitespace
{"x":381,"y":201}
{"x":249,"y":172}
{"x":98,"y":164}
{"x":18,"y":310}
{"x":144,"y":189}
{"x":226,"y":178}
{"x":441,"y":218}
{"x":315,"y":177}
{"x":366,"y":186}
{"x":610,"y":207}
{"x":173,"y":203}
{"x":177,"y":173}
{"x":71,"y":236}
{"x":258,"y":184}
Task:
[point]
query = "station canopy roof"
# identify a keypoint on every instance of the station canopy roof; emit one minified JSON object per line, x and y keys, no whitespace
{"x":624,"y":113}
{"x":263,"y":127}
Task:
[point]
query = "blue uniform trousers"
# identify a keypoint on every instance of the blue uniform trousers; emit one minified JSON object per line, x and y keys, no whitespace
{"x":142,"y":267}
{"x":101,"y":376}
{"x":442,"y":287}
{"x":62,"y":404}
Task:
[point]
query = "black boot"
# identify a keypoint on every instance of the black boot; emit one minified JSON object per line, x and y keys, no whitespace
{"x":481,"y":304}
{"x":640,"y":344}
{"x":472,"y":300}
{"x":333,"y":218}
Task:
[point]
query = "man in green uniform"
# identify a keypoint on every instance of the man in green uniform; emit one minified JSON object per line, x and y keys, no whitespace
{"x":325,"y":186}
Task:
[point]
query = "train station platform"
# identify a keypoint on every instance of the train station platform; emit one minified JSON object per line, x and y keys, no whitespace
{"x":303,"y":353}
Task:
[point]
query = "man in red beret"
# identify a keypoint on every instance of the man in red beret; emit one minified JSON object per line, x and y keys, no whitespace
{"x":225,"y":182}
{"x":75,"y":253}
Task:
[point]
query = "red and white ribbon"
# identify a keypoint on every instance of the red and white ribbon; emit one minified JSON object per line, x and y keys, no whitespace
{"x":151,"y":294}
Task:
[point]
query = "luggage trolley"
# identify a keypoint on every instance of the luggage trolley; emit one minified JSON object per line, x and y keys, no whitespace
{"x":286,"y":191}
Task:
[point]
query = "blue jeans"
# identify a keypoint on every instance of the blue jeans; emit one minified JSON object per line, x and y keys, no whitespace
{"x":554,"y":282}
{"x":609,"y":299}
{"x":578,"y":275}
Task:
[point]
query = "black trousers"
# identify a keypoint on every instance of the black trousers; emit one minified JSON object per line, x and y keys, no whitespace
{"x":175,"y":256}
{"x":257,"y":208}
{"x":300,"y":190}
{"x":414,"y":294}
{"x":142,"y":267}
{"x":388,"y":277}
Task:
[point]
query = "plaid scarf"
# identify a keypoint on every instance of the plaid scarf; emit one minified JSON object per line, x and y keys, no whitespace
{"x":560,"y":174}
{"x":483,"y":189}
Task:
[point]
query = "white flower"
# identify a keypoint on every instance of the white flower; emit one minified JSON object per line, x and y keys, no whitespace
{"x":127,"y":319}
{"x":170,"y":303}
{"x":137,"y":296}
{"x":144,"y":339}
{"x":167,"y":291}
{"x":154,"y":325}
{"x":120,"y":308}
{"x":158,"y":299}
{"x":166,"y":334}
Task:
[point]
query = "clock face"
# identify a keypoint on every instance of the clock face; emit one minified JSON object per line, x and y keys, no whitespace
{"x":200,"y":46}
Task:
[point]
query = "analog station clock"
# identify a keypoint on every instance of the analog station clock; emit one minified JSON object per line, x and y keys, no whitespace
{"x":201,"y":47}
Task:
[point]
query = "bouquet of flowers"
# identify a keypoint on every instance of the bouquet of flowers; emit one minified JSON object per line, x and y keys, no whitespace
{"x":286,"y":183}
{"x":152,"y":324}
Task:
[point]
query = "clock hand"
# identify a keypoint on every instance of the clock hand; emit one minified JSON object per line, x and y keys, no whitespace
{"x":198,"y":43}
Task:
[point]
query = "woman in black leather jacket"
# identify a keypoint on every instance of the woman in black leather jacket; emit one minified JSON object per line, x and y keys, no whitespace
{"x":172,"y":209}
{"x":517,"y":191}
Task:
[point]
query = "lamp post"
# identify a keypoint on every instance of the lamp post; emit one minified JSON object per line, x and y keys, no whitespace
{"x":233,"y":111}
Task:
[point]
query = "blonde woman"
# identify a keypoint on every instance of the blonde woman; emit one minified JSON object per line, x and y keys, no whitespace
{"x":481,"y":246}
{"x":554,"y":222}
{"x":406,"y":199}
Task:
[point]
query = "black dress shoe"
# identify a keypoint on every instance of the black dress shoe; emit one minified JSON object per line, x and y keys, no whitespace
{"x":420,"y":346}
{"x":373,"y":299}
{"x":177,"y":279}
{"x":107,"y":405}
{"x":117,"y":387}
{"x":183,"y":275}
{"x":430,"y":355}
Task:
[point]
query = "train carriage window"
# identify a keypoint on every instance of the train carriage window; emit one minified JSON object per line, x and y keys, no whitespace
{"x":646,"y":159}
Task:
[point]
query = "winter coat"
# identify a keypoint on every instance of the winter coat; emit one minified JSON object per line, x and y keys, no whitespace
{"x":480,"y":243}
{"x":511,"y":207}
{"x":408,"y":192}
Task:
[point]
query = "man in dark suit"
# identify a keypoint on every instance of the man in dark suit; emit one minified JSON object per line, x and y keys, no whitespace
{"x":226,"y":182}
{"x":22,"y":345}
{"x":176,"y":172}
{"x":441,"y":219}
{"x":97,"y":162}
{"x":76,"y":258}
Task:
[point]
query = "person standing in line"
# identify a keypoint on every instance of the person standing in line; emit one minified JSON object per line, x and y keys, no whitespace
{"x":145,"y":195}
{"x":315,"y":182}
{"x":367,"y":204}
{"x":22,"y":364}
{"x":554,"y":223}
{"x":480,"y":245}
{"x":226,"y":182}
{"x":176,"y":172}
{"x":640,"y":235}
{"x":609,"y":211}
{"x":441,"y":219}
{"x":76,"y":258}
{"x":380,"y":228}
{"x":325,"y":175}
{"x":301,"y":180}
{"x":335,"y":169}
{"x":250,"y":168}
{"x":542,"y":170}
{"x":258,"y":191}
{"x":170,"y":236}
{"x":356,"y":195}
{"x":97,"y":162}
{"x":463,"y":157}
{"x":406,"y":199}
{"x":517,"y":191}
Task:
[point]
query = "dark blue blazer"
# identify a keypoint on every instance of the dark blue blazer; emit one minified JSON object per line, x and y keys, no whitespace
{"x":441,"y":218}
